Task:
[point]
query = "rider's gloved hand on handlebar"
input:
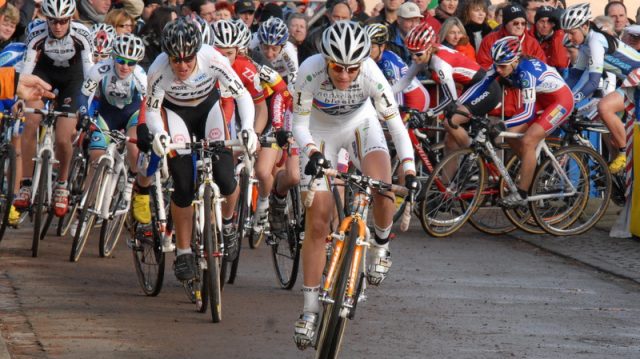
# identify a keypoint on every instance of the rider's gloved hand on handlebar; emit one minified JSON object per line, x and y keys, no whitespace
{"x":82,"y":118}
{"x":282,"y":137}
{"x":316,"y":161}
{"x":412,"y":184}
{"x":450,"y":109}
{"x":160,"y":142}
{"x":250,"y":139}
{"x":144,"y":138}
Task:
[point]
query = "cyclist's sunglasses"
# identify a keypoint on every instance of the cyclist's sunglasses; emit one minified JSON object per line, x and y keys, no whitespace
{"x":122,"y":61}
{"x":418,"y":54}
{"x":53,"y":21}
{"x":177,"y":60}
{"x":339,"y":68}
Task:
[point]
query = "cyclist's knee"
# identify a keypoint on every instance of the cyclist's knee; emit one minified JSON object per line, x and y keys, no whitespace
{"x":223,"y":173}
{"x":182,"y":198}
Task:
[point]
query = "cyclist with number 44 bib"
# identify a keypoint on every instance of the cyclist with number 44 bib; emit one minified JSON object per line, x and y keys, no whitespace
{"x":333,"y":110}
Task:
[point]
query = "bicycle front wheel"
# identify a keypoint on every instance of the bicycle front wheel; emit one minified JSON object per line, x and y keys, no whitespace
{"x":7,"y":182}
{"x":212,"y":256}
{"x":87,"y":215}
{"x":566,"y":213}
{"x":112,"y":228}
{"x":77,"y":175}
{"x":334,"y":321}
{"x":521,"y":216}
{"x":285,"y":252}
{"x":452,"y":193}
{"x":40,"y":203}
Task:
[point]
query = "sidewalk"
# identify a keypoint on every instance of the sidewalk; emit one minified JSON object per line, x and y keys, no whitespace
{"x":620,"y":257}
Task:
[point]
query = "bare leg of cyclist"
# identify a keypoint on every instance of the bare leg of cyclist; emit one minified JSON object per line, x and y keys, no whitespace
{"x":608,"y":108}
{"x":289,"y":176}
{"x":526,"y":150}
{"x":316,"y":230}
{"x":455,"y":139}
{"x":65,"y":128}
{"x":264,"y":172}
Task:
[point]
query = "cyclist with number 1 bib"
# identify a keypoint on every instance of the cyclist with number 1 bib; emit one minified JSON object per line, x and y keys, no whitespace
{"x":183,"y":101}
{"x":332,"y":110}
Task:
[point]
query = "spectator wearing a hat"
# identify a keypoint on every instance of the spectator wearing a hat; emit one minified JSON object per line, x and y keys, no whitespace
{"x":409,"y":16}
{"x":548,"y":32}
{"x":514,"y":23}
{"x":246,"y":11}
{"x":149,"y":7}
{"x":206,"y":9}
{"x":389,"y":13}
{"x":473,"y":15}
{"x":446,"y":9}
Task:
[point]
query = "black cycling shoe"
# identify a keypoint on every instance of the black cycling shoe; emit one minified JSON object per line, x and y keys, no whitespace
{"x":185,"y":267}
{"x":231,"y":245}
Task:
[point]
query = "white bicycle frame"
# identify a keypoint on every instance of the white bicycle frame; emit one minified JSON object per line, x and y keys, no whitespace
{"x":542,"y":146}
{"x":116,"y":164}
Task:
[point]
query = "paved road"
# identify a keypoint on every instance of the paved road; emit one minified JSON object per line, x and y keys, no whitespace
{"x":470,"y":296}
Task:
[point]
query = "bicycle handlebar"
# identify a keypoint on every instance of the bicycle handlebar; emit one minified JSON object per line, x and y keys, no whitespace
{"x":44,"y":112}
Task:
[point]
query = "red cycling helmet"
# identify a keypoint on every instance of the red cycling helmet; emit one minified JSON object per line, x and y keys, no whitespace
{"x":420,"y":38}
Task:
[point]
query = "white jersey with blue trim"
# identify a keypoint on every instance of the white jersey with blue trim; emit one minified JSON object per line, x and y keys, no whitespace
{"x":286,"y":63}
{"x":116,"y":91}
{"x":319,"y":104}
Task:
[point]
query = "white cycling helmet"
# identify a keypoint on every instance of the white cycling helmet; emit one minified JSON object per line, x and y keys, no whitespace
{"x":102,"y":37}
{"x":129,"y":46}
{"x":207,"y":36}
{"x":225,"y":34}
{"x":346,"y":43}
{"x":244,"y":34}
{"x":58,"y":9}
{"x":575,"y":16}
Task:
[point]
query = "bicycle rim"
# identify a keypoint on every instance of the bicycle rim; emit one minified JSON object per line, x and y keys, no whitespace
{"x":589,"y":174}
{"x":458,"y":179}
{"x":212,"y":256}
{"x":148,"y":257}
{"x":86,"y":218}
{"x":40,"y":205}
{"x":77,"y":175}
{"x":488,"y":216}
{"x":333,"y":324}
{"x":111,"y":229}
{"x":7,"y":181}
{"x":285,"y":253}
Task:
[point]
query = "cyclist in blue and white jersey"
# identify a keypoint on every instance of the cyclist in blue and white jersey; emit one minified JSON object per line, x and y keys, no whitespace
{"x":119,"y":85}
{"x":270,"y":47}
{"x":333,"y":110}
{"x":60,"y":52}
{"x":543,"y":91}
{"x":598,"y":52}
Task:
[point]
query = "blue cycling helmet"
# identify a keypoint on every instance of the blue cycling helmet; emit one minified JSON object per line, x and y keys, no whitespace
{"x":506,"y":50}
{"x":273,"y":32}
{"x":12,"y":54}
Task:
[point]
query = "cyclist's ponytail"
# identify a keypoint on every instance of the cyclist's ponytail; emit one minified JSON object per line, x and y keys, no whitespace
{"x":612,"y":41}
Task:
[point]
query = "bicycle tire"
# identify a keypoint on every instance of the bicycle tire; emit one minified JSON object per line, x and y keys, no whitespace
{"x":520,"y":217}
{"x":111,"y":229}
{"x":285,"y":253}
{"x":242,"y":211}
{"x":86,"y":218}
{"x":212,"y":256}
{"x":148,"y":256}
{"x":595,"y":177}
{"x":39,"y":205}
{"x":77,"y":175}
{"x":333,"y":324}
{"x":442,"y":210}
{"x":7,"y":182}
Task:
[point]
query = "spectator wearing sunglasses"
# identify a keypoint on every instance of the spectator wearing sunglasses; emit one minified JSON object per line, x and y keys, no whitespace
{"x":121,"y":21}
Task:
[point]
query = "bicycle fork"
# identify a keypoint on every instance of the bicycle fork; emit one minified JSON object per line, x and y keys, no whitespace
{"x":354,"y":282}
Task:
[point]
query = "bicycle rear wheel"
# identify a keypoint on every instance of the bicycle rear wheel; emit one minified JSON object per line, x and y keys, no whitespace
{"x":40,"y":203}
{"x":588,"y":173}
{"x":285,"y":252}
{"x":333,"y":323}
{"x":87,"y":214}
{"x":520,"y":217}
{"x":452,"y":193}
{"x":212,"y":256}
{"x":7,"y":182}
{"x":111,"y":229}
{"x":230,"y":268}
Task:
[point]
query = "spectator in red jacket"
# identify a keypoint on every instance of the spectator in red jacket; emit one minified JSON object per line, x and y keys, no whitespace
{"x":548,"y":32}
{"x":514,"y":23}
